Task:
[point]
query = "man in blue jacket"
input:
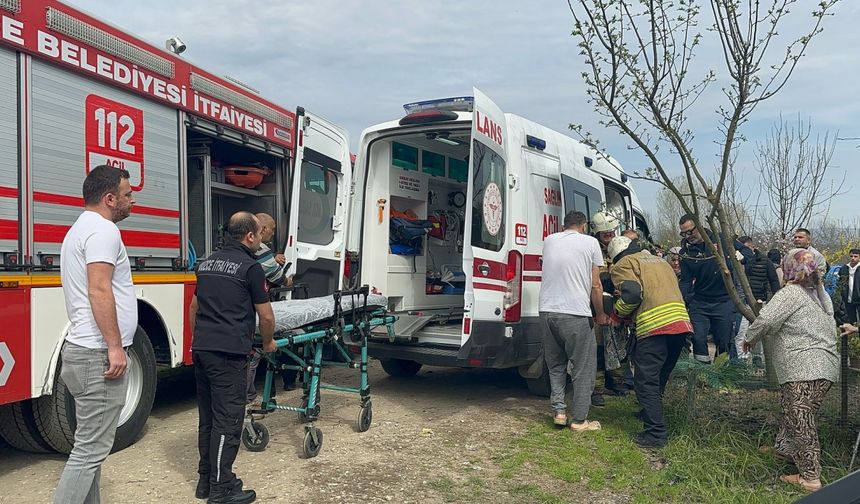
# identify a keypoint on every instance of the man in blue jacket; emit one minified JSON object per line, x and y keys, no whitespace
{"x":711,"y":309}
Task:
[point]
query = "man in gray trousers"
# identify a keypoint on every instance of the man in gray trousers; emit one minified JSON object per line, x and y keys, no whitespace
{"x":571,"y":276}
{"x":102,"y":308}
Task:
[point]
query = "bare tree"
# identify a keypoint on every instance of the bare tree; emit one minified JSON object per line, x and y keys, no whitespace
{"x":792,"y":166}
{"x":639,"y":55}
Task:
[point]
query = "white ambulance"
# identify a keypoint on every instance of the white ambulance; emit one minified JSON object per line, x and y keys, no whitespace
{"x":488,"y":187}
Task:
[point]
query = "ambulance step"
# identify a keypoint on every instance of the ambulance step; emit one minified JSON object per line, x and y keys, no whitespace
{"x":407,"y":325}
{"x":443,"y":331}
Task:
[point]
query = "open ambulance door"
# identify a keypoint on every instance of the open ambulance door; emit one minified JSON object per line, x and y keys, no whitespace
{"x":485,"y":254}
{"x":319,"y":198}
{"x":577,"y":194}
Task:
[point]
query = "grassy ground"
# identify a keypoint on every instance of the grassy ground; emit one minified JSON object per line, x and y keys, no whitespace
{"x":712,"y":457}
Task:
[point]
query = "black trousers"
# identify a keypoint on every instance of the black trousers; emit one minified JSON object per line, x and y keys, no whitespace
{"x":221,"y":380}
{"x":851,"y":312}
{"x":654,"y":358}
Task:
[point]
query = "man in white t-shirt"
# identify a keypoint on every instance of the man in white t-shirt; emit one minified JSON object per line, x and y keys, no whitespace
{"x":102,"y":307}
{"x":569,"y":289}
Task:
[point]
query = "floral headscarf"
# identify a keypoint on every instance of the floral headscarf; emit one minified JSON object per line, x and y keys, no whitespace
{"x":798,"y":264}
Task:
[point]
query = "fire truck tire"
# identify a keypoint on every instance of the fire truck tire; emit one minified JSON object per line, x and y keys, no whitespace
{"x":55,"y":414}
{"x":18,"y":427}
{"x":400,"y":368}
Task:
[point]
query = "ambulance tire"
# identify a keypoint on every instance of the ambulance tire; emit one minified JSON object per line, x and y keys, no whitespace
{"x":55,"y":414}
{"x":18,"y":428}
{"x":400,"y":368}
{"x":539,"y":386}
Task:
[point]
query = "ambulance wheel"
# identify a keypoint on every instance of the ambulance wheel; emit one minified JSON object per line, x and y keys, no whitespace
{"x":310,"y":447}
{"x":55,"y":414}
{"x":18,"y":427}
{"x":539,"y":386}
{"x":365,"y":417}
{"x":257,"y":441}
{"x":400,"y":368}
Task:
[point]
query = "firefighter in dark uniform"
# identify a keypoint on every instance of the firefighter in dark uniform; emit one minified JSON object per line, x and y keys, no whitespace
{"x":231,"y":292}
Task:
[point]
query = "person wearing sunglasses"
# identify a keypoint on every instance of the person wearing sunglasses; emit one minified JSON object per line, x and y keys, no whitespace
{"x":711,"y":309}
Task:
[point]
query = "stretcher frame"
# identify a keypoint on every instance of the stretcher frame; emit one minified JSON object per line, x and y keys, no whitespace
{"x":346,"y":328}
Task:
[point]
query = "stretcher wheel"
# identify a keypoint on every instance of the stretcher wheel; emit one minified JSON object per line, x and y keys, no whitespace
{"x":312,"y":448}
{"x":365,"y":416}
{"x":257,"y":441}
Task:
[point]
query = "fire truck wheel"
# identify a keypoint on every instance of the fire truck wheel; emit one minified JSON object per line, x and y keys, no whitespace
{"x":55,"y":414}
{"x":18,"y":427}
{"x":400,"y":368}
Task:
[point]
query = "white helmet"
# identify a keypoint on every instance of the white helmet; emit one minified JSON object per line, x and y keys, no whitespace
{"x":618,"y":245}
{"x":602,"y":221}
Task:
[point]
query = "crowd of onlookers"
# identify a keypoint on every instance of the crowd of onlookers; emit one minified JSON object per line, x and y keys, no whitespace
{"x":618,"y":313}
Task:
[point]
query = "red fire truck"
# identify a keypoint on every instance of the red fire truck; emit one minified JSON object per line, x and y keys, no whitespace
{"x":75,"y":93}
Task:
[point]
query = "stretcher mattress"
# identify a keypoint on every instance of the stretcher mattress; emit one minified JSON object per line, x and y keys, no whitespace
{"x":295,"y":313}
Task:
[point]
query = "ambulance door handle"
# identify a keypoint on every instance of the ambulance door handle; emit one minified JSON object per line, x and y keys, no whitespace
{"x":484,"y":269}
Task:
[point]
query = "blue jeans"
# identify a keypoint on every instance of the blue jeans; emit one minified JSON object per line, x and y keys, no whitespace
{"x":98,"y":402}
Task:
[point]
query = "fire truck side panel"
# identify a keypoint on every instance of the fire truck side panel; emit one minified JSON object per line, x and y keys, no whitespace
{"x":75,"y":122}
{"x":8,"y":151}
{"x":15,"y":347}
{"x":50,"y":324}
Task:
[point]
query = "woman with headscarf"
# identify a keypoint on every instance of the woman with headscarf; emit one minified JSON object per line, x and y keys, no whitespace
{"x":798,"y":324}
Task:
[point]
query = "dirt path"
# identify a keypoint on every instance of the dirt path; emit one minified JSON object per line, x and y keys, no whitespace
{"x":434,"y":438}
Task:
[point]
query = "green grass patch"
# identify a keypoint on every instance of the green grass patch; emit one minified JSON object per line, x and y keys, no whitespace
{"x":459,"y":491}
{"x":712,"y":457}
{"x":533,"y":493}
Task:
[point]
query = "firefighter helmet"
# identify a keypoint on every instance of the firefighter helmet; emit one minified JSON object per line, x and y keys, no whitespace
{"x":602,"y":221}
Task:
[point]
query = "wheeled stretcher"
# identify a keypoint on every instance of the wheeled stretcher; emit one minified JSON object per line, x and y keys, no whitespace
{"x":306,"y":332}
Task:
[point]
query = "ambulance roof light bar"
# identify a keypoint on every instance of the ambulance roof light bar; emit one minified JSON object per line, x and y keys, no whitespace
{"x":455,"y":104}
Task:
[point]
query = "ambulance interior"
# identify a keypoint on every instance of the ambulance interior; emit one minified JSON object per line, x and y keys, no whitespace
{"x":415,"y":225}
{"x":225,"y":176}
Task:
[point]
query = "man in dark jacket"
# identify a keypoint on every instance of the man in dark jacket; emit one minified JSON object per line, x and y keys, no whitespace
{"x":230,"y":295}
{"x":711,"y":309}
{"x":847,"y":294}
{"x":762,"y":276}
{"x":764,"y":282}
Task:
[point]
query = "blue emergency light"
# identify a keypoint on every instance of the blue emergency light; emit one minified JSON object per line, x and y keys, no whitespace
{"x":456,"y":104}
{"x":535,"y":142}
{"x":588,"y":162}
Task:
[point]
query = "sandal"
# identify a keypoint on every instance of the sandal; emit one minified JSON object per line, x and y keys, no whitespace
{"x":587,"y":425}
{"x":795,"y":479}
{"x":560,"y":419}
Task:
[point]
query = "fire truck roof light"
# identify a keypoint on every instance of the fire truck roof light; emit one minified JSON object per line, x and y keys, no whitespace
{"x":13,"y":6}
{"x":456,"y":104}
{"x":75,"y":28}
{"x":535,"y":142}
{"x":215,"y":90}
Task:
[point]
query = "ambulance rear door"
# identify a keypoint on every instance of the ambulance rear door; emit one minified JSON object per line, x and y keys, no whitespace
{"x":319,"y":200}
{"x":485,"y":253}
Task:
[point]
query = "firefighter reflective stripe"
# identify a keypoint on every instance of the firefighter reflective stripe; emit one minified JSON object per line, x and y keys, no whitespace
{"x":623,"y":309}
{"x":660,"y":316}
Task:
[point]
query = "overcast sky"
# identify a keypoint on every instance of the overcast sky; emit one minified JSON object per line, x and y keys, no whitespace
{"x":356,"y":62}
